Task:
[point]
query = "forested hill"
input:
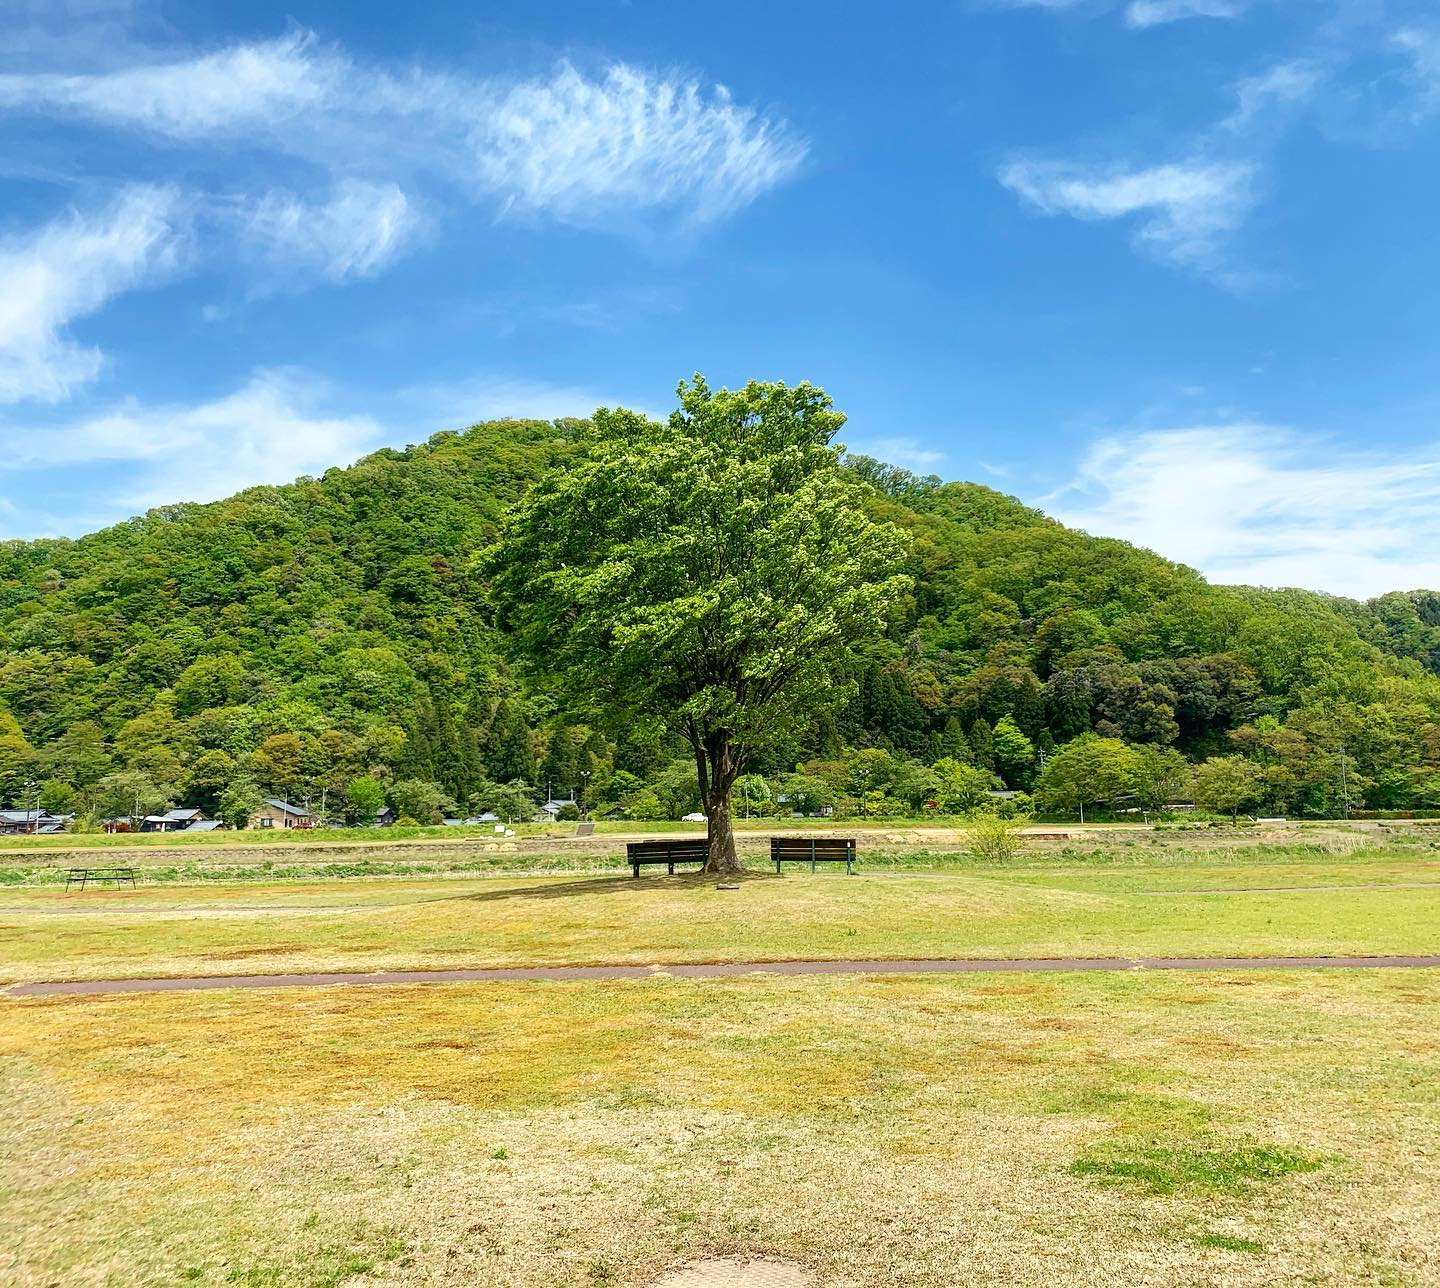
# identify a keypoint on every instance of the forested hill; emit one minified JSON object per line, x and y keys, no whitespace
{"x":298,"y":639}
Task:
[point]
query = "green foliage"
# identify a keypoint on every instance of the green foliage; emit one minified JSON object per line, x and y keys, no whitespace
{"x":130,"y":794}
{"x":1161,"y":776}
{"x":963,"y":788}
{"x":423,"y":802}
{"x":810,"y":793}
{"x":752,"y":794}
{"x":645,"y":806}
{"x":712,"y":574}
{"x":1014,"y":752}
{"x":994,"y":839}
{"x":514,"y":802}
{"x":1228,"y":783}
{"x":1088,"y":771}
{"x":339,"y":628}
{"x":59,"y":797}
{"x":239,"y":802}
{"x":364,"y":799}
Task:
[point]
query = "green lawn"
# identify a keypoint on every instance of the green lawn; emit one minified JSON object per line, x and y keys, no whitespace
{"x":1051,"y":909}
{"x":1058,"y":1130}
{"x":1247,"y":1128}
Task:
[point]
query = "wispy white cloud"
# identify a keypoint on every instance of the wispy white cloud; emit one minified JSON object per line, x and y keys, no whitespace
{"x":1265,"y":505}
{"x":1420,"y":48}
{"x":624,"y":149}
{"x":1042,"y":4}
{"x":1182,"y":211}
{"x":70,"y":268}
{"x":488,"y":395}
{"x":268,"y":431}
{"x":577,"y":147}
{"x":1281,"y":87}
{"x":354,"y":232}
{"x":1144,"y":13}
{"x":904,"y":451}
{"x":278,"y":425}
{"x":244,"y":85}
{"x":1154,"y":13}
{"x":1186,"y":211}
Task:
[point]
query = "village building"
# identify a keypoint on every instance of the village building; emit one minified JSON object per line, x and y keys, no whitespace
{"x":36,"y":821}
{"x":176,"y":820}
{"x":274,"y":812}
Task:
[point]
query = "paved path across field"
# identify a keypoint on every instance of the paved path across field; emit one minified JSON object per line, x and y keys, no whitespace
{"x":712,"y":970}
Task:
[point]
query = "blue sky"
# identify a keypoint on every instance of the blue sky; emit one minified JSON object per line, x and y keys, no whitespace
{"x":1166,"y":268}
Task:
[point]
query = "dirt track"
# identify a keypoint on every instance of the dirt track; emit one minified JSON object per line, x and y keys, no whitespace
{"x":713,"y":970}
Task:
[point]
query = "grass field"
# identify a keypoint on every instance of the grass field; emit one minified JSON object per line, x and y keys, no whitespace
{"x":1239,"y":1127}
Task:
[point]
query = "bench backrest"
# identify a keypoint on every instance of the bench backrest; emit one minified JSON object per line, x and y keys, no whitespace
{"x":805,"y":847}
{"x":667,"y":851}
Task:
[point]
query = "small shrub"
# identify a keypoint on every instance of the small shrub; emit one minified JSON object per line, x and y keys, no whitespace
{"x":995,"y":839}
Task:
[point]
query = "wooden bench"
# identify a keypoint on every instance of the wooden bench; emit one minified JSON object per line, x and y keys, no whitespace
{"x":813,"y":850}
{"x":83,"y":876}
{"x":667,"y":852}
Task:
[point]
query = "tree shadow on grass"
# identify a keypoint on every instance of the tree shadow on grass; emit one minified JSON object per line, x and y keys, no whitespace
{"x":561,"y":888}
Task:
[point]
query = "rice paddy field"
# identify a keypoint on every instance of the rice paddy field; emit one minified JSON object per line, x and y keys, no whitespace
{"x":1248,"y":1125}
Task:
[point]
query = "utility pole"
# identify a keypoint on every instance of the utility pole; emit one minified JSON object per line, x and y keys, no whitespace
{"x":1344,"y":784}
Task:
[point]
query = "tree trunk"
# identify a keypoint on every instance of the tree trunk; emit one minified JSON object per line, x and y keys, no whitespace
{"x":723,"y":860}
{"x":716,"y":770}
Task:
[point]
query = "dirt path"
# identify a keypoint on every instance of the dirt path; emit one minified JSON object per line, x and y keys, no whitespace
{"x":711,"y":970}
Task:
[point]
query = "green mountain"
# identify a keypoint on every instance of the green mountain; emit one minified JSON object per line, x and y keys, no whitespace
{"x":306,"y":636}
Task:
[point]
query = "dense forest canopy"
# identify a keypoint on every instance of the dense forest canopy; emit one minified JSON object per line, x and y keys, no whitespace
{"x":331,"y":639}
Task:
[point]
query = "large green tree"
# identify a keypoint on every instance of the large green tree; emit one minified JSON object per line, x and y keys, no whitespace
{"x":1088,"y":771}
{"x":714,"y":572}
{"x":1228,"y":784}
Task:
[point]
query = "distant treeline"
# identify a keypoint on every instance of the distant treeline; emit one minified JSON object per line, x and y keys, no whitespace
{"x":330,"y":639}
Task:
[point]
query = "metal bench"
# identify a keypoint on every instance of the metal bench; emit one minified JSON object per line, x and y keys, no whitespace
{"x":667,"y":852}
{"x":813,"y":850}
{"x":83,"y":876}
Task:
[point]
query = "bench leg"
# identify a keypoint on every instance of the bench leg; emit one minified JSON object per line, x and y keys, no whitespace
{"x":636,"y":868}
